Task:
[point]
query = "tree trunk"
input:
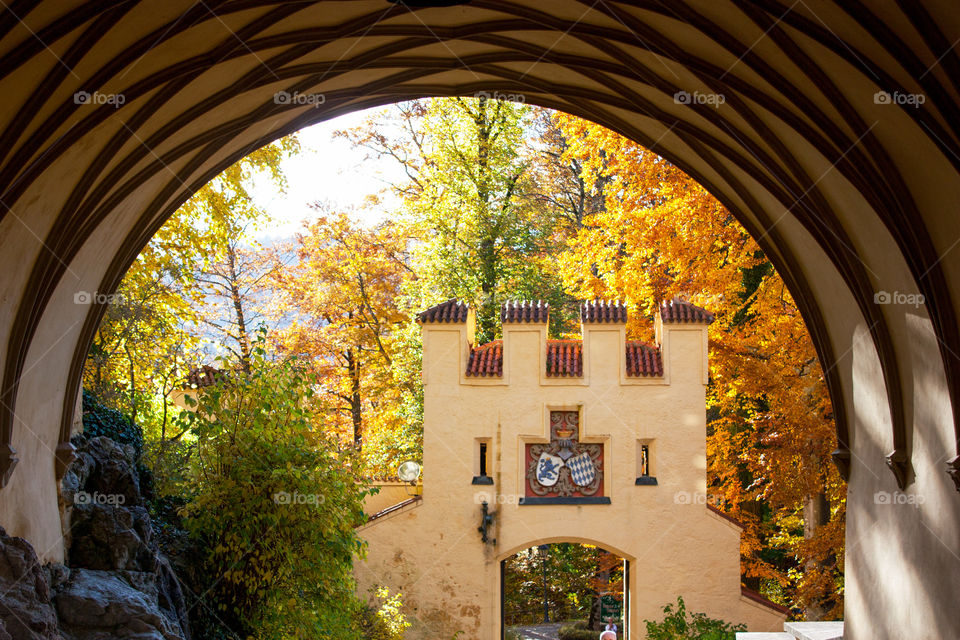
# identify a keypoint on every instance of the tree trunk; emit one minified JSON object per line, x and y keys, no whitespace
{"x":487,"y":313}
{"x":816,"y":513}
{"x":356,"y":408}
{"x":242,"y":337}
{"x":133,"y":387}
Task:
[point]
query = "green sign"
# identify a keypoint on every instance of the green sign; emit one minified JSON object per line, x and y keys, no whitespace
{"x":610,"y":607}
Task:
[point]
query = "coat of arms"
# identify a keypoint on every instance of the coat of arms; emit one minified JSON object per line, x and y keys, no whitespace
{"x":565,"y":466}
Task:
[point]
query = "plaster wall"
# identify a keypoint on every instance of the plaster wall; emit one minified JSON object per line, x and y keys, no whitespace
{"x":433,"y":554}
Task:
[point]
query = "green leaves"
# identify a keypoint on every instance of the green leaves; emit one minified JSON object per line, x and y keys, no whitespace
{"x":678,"y":625}
{"x":274,"y":504}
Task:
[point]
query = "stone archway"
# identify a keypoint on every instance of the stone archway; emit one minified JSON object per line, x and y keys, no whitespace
{"x":116,"y":113}
{"x":625,"y":593}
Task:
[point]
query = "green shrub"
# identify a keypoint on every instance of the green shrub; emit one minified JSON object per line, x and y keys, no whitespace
{"x":99,"y":420}
{"x":273,"y":505}
{"x":383,"y":622}
{"x":677,"y":625}
{"x":577,"y":630}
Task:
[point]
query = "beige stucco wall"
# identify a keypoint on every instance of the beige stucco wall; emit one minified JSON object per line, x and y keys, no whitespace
{"x":433,"y":554}
{"x":388,"y":494}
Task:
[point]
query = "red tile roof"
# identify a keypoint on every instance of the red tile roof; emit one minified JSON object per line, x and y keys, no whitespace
{"x":204,"y":376}
{"x":603,"y":311}
{"x":564,"y":358}
{"x":680,"y":311}
{"x":525,"y":311}
{"x":486,"y":360}
{"x":450,"y":311}
{"x":643,"y":359}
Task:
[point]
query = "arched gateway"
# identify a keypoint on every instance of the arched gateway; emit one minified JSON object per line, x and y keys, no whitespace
{"x":528,"y":441}
{"x":830,"y":128}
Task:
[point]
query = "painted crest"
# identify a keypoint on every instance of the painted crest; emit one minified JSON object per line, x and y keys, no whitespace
{"x":582,"y":469}
{"x":548,"y":469}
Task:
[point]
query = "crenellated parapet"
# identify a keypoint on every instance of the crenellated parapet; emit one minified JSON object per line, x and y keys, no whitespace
{"x":526,"y":353}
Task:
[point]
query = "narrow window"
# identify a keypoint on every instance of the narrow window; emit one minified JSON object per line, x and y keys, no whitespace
{"x":646,"y":463}
{"x":481,"y":461}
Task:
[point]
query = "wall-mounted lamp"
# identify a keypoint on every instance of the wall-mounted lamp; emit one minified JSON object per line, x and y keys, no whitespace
{"x":409,"y":472}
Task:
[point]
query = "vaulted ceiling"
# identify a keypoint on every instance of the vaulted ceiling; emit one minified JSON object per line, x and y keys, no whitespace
{"x":831,"y":129}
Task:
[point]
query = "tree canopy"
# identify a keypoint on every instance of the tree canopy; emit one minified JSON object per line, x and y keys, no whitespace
{"x":498,"y":201}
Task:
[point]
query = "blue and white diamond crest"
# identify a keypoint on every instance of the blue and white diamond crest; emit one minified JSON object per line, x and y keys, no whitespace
{"x":582,"y":469}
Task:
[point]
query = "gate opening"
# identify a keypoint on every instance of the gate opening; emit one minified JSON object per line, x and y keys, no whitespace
{"x":551,"y":586}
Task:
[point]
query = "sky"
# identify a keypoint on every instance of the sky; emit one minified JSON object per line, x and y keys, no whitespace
{"x":327,"y":169}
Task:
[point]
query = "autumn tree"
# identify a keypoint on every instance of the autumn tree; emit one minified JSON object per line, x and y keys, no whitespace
{"x":152,"y":333}
{"x":234,"y":269}
{"x":560,"y":183}
{"x":469,"y":201}
{"x":661,"y":236}
{"x":344,"y":288}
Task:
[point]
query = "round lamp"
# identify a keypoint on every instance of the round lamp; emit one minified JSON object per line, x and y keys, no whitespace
{"x":409,"y":471}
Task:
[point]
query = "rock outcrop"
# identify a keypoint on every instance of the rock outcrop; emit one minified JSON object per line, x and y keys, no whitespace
{"x":97,"y":605}
{"x":25,"y":607}
{"x":116,"y":584}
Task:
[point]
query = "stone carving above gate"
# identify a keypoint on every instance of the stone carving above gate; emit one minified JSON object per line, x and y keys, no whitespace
{"x":564,"y":468}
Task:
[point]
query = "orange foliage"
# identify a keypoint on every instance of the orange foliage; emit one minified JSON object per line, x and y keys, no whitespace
{"x":342,"y":292}
{"x":661,"y":236}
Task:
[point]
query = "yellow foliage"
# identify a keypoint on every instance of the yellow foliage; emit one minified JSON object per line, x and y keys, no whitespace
{"x":661,"y":236}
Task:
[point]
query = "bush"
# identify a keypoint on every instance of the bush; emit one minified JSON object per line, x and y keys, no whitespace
{"x":385,"y":622}
{"x":273,"y":505}
{"x":677,"y":625}
{"x":577,"y":630}
{"x":98,"y":420}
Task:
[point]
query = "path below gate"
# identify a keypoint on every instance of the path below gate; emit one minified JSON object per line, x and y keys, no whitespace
{"x":539,"y":631}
